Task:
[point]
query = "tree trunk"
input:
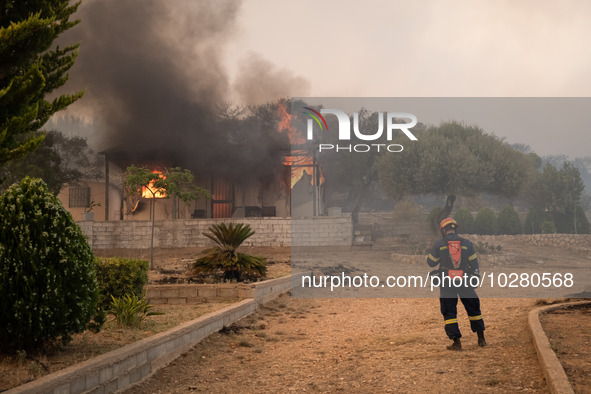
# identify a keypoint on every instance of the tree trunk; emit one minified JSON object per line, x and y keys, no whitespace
{"x":152,"y":238}
{"x":446,"y":211}
{"x":362,"y":193}
{"x":356,"y":208}
{"x":575,"y":218}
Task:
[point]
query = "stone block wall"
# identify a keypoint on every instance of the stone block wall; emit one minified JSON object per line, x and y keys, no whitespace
{"x":322,"y":231}
{"x":198,"y":293}
{"x":181,"y":233}
{"x":559,"y":240}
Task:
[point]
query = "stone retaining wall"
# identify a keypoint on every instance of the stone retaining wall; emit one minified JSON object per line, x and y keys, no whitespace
{"x":199,"y":293}
{"x":561,"y":240}
{"x":133,"y":363}
{"x":574,"y":241}
{"x":180,"y":233}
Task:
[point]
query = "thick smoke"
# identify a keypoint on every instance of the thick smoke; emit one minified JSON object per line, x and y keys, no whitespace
{"x":260,"y":81}
{"x":153,"y":72}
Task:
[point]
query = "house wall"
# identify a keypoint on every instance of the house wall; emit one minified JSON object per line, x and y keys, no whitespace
{"x":97,"y":194}
{"x":245,"y":195}
{"x":320,"y":231}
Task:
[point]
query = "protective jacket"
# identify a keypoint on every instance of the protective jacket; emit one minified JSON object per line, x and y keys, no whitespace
{"x":440,"y":254}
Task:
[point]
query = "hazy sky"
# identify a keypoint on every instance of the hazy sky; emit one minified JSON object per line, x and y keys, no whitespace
{"x":424,"y":47}
{"x":418,"y":48}
{"x":431,"y":48}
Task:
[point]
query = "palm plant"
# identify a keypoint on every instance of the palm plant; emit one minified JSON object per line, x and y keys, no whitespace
{"x":130,"y":310}
{"x":223,"y":260}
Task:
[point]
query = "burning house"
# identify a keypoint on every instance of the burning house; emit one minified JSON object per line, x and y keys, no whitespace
{"x":266,"y":177}
{"x":161,"y":90}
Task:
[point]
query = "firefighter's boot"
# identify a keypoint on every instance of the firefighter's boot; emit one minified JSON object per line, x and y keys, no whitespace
{"x":457,"y":345}
{"x":481,"y":340}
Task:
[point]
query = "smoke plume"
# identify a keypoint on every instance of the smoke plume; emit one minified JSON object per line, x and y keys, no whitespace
{"x":260,"y":81}
{"x":153,"y":73}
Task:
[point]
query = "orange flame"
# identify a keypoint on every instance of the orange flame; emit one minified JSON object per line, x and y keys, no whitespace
{"x":301,"y":165}
{"x":152,"y":192}
{"x":299,"y":162}
{"x":295,"y":137}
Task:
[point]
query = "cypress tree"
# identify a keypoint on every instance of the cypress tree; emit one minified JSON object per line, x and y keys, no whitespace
{"x":30,"y":69}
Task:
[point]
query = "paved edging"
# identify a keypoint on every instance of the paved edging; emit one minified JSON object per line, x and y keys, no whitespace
{"x":130,"y":364}
{"x":555,"y":376}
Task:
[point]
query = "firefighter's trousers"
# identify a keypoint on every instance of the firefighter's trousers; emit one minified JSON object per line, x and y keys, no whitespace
{"x":449,"y":303}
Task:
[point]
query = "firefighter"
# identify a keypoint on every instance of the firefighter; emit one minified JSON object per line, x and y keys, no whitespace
{"x":456,"y":257}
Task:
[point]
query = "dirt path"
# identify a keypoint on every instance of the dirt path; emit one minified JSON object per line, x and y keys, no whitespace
{"x":358,"y":345}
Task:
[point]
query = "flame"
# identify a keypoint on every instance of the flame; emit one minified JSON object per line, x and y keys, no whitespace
{"x":147,"y":190}
{"x":301,"y":165}
{"x":299,"y":162}
{"x":295,"y":137}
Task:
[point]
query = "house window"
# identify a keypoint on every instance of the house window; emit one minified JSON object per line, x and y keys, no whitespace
{"x":79,"y":197}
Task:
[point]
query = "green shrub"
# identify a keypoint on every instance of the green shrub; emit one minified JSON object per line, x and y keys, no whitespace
{"x":548,"y":227}
{"x":130,"y":310}
{"x":117,"y":277}
{"x":533,"y":221}
{"x":508,"y":222}
{"x":583,"y":226}
{"x":465,"y":220}
{"x":485,"y":222}
{"x":48,"y":288}
{"x":565,"y":221}
{"x":223,"y":262}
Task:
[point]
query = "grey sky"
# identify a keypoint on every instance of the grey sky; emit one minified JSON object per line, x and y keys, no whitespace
{"x":423,"y":48}
{"x":434,"y":48}
{"x":394,"y":48}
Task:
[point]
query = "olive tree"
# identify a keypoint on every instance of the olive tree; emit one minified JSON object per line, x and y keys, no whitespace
{"x":453,"y":159}
{"x":170,"y":182}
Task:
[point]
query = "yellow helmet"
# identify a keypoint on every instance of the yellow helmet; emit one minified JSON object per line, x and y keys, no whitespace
{"x":448,"y":222}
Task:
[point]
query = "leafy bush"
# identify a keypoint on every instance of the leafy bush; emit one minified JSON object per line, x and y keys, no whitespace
{"x":583,"y":226}
{"x":465,"y":220}
{"x":130,"y":310}
{"x":485,"y":222}
{"x":117,"y":277}
{"x":47,"y":276}
{"x":548,"y":227}
{"x":508,"y":222}
{"x":565,"y":221}
{"x":223,"y":261}
{"x":533,"y":221}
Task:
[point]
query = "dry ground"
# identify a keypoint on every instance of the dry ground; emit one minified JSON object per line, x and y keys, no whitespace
{"x":570,"y":337}
{"x":358,"y":345}
{"x":355,"y":345}
{"x":367,"y":345}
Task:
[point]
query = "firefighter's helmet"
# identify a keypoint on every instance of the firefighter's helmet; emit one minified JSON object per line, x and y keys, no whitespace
{"x":448,"y":223}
